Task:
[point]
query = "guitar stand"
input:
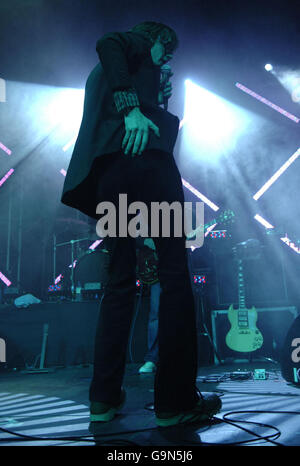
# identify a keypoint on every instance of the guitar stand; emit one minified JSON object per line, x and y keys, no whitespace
{"x":41,"y":369}
{"x":205,"y":333}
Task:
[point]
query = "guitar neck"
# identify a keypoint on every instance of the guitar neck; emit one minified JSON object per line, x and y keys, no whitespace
{"x":242,"y":312}
{"x":201,"y":228}
{"x":225,"y":217}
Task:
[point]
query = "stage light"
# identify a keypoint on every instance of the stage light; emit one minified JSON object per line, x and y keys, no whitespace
{"x":209,"y":229}
{"x":267,"y":102}
{"x":292,"y":245}
{"x":58,"y":279}
{"x":200,"y":195}
{"x":8,"y":174}
{"x":95,"y":244}
{"x":268,"y":67}
{"x":285,"y":239}
{"x":182,"y":122}
{"x":263,"y":221}
{"x":290,"y":80}
{"x":63,"y":172}
{"x":212,"y":124}
{"x":74,"y":264}
{"x":199,"y":279}
{"x":70,"y":144}
{"x":4,"y":279}
{"x":92,"y":247}
{"x":276,"y":175}
{"x":5,"y":149}
{"x":65,"y":106}
{"x":218,"y":234}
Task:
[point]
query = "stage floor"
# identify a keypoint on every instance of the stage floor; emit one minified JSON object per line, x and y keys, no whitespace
{"x":55,"y":405}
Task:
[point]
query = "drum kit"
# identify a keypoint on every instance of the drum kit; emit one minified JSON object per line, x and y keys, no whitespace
{"x":85,"y":274}
{"x":84,"y":277}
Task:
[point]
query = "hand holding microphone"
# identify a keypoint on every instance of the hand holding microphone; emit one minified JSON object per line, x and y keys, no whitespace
{"x":165,"y":86}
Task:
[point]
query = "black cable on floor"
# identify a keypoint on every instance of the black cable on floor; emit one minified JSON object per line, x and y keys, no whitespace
{"x":86,"y":438}
{"x":259,"y":437}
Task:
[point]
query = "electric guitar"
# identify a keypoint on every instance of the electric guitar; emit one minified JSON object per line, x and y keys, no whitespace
{"x":243,"y":335}
{"x":147,"y":263}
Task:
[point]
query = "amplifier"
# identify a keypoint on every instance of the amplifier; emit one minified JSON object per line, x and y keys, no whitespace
{"x":273,"y":323}
{"x":266,"y":283}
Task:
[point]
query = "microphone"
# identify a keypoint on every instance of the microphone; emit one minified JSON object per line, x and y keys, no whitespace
{"x":166,"y":73}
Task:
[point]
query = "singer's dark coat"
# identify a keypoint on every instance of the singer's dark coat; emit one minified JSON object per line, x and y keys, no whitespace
{"x":125,"y":61}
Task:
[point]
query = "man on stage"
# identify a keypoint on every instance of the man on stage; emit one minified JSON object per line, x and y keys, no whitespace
{"x":125,"y":145}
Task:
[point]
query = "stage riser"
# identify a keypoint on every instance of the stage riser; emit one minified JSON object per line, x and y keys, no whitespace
{"x":71,"y":333}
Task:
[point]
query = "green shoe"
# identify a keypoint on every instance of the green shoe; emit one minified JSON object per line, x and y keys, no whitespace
{"x":148,"y":367}
{"x":103,"y":412}
{"x":207,"y":406}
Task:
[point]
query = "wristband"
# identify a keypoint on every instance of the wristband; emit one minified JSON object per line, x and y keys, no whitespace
{"x":126,"y":100}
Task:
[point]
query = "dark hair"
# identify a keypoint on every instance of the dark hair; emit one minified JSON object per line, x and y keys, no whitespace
{"x":153,"y":30}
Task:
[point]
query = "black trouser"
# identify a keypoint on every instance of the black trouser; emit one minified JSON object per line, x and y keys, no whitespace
{"x":153,"y":176}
